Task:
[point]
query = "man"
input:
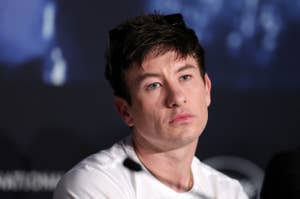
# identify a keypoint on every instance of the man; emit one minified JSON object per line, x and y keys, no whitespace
{"x":155,"y":66}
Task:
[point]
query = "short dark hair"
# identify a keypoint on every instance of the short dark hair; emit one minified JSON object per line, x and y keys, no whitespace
{"x":131,"y":41}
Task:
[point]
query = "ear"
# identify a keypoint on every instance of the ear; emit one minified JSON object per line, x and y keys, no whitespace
{"x":122,"y":108}
{"x":207,"y":89}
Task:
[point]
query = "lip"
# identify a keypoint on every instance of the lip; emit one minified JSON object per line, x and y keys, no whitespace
{"x":181,"y":118}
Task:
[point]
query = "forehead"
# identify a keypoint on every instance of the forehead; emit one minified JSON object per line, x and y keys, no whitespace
{"x":170,"y":60}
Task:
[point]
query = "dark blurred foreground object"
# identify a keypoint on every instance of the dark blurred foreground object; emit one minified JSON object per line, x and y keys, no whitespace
{"x":282,"y":178}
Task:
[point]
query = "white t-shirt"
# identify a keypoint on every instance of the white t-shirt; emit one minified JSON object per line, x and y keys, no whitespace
{"x":103,"y":175}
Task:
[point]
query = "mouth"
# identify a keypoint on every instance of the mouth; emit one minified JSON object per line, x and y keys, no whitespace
{"x":181,"y":118}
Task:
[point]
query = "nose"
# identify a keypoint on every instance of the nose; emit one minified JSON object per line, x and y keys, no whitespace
{"x":175,"y":96}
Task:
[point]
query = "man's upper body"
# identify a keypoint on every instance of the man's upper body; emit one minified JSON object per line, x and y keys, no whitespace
{"x":155,"y":65}
{"x":104,"y":175}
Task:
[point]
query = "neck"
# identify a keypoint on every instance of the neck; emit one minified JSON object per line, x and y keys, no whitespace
{"x":171,"y":167}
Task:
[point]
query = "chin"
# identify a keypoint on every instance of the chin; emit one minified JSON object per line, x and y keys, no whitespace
{"x":187,"y":136}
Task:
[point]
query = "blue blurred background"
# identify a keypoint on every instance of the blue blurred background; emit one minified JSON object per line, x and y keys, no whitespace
{"x":250,"y":44}
{"x":56,"y":107}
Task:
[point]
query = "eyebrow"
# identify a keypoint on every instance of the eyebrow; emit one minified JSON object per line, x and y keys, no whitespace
{"x":185,"y":67}
{"x":142,"y":77}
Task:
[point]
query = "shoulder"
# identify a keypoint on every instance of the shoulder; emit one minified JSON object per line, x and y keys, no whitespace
{"x":99,"y":174}
{"x":218,"y":183}
{"x":210,"y":172}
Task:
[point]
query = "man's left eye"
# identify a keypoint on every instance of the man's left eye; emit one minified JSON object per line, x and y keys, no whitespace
{"x":185,"y":77}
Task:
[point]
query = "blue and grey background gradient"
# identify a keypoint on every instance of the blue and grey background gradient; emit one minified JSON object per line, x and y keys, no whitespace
{"x":57,"y":108}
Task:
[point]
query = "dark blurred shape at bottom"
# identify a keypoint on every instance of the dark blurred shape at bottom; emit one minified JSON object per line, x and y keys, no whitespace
{"x":282,"y":179}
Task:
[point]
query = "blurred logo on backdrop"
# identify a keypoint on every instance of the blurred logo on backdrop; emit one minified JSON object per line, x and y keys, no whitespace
{"x":246,"y":172}
{"x":29,"y":181}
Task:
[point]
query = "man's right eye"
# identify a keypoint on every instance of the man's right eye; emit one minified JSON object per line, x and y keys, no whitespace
{"x":153,"y":86}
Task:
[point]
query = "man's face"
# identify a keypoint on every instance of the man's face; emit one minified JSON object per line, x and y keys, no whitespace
{"x":169,"y":101}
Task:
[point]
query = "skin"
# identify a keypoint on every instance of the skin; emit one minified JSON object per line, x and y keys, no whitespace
{"x":168,"y":113}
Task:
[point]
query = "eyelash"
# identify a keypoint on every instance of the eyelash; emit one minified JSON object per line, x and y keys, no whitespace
{"x":150,"y":86}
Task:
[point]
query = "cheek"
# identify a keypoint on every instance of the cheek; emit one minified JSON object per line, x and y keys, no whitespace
{"x":200,"y":102}
{"x":143,"y":112}
{"x":147,"y":103}
{"x":146,"y":120}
